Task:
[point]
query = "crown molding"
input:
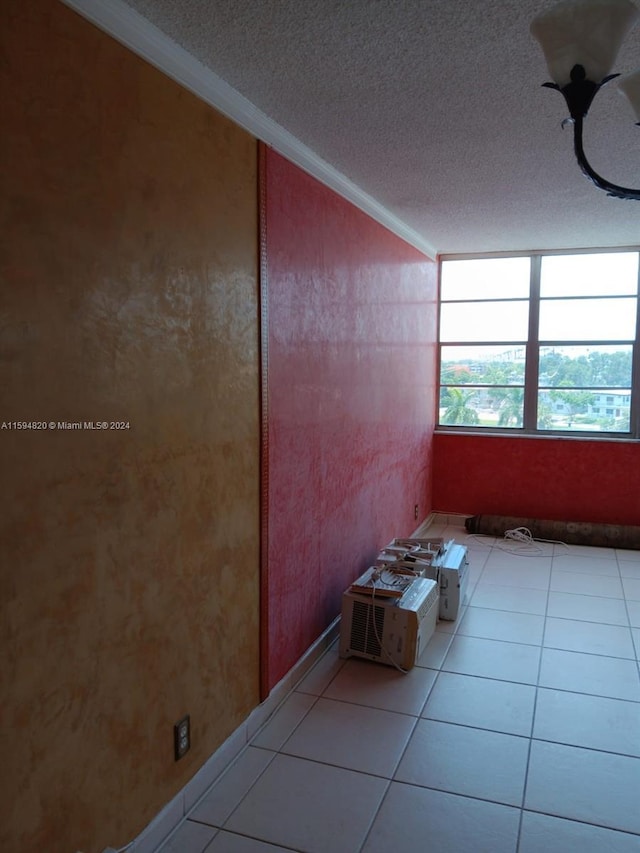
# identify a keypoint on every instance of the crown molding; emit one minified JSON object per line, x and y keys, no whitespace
{"x":143,"y":38}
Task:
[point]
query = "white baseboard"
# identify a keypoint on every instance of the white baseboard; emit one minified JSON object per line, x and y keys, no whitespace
{"x":425,"y":525}
{"x":172,"y":815}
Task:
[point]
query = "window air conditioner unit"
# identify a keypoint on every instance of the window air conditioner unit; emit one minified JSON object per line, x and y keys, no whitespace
{"x":394,"y":631}
{"x":444,"y":562}
{"x":450,"y":570}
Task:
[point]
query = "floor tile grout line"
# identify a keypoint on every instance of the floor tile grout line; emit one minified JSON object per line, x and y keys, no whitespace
{"x":636,"y":645}
{"x":605,"y":826}
{"x":209,"y":790}
{"x":415,"y":726}
{"x":240,"y":835}
{"x":506,"y":642}
{"x":245,"y":748}
{"x":478,"y":728}
{"x":458,"y":634}
{"x":593,"y":654}
{"x":533,"y":723}
{"x":508,"y":610}
{"x":587,"y":621}
{"x":295,"y":728}
{"x":591,"y":695}
{"x":595,"y":695}
{"x":613,"y":752}
{"x":500,"y":640}
{"x":223,"y":826}
{"x":539,"y":687}
{"x":543,"y":686}
{"x":531,"y":738}
{"x":251,"y":786}
{"x":542,"y":615}
{"x":279,"y":708}
{"x":374,"y":818}
{"x":456,"y":794}
{"x":439,"y":671}
{"x":366,"y":705}
{"x":392,"y":780}
{"x":325,"y":763}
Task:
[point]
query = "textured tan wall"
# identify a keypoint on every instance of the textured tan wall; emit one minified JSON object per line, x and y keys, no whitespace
{"x":129,"y":558}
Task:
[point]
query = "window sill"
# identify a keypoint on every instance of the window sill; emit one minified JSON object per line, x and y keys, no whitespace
{"x":546,"y":436}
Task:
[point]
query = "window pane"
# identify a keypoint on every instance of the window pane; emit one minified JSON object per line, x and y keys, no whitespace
{"x":594,"y":410}
{"x":608,"y":274}
{"x":484,"y":321}
{"x":482,"y":407}
{"x":485,"y":278}
{"x":459,"y":406}
{"x":585,"y":366}
{"x":482,"y":365}
{"x":585,"y":311}
{"x":587,"y":319}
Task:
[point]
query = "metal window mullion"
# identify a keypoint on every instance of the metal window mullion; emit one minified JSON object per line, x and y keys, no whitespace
{"x":487,"y":301}
{"x":493,"y":343}
{"x":597,"y":389}
{"x":590,"y":296}
{"x":585,"y":342}
{"x":530,"y":413}
{"x":634,"y":413}
{"x":438,"y":376}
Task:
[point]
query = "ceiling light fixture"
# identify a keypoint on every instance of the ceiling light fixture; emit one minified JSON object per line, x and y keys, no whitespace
{"x":580,"y":40}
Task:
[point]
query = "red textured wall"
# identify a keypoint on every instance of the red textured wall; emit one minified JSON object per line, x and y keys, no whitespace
{"x":351,"y":370}
{"x":558,"y":479}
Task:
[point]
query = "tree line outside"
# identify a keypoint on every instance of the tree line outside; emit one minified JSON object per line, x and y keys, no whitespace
{"x":570,"y":391}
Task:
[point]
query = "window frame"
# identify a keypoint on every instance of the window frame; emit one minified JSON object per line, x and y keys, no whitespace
{"x":532,"y":351}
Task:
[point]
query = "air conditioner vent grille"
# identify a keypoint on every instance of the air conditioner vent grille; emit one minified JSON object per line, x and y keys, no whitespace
{"x":426,"y":604}
{"x":363,"y":633}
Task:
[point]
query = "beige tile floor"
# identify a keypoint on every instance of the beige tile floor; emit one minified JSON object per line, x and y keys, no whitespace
{"x":519,"y":730}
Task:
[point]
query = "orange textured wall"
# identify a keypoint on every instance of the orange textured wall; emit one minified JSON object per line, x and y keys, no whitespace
{"x":128,"y":281}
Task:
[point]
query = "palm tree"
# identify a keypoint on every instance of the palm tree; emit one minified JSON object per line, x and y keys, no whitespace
{"x":511,"y":407}
{"x":458,"y":410}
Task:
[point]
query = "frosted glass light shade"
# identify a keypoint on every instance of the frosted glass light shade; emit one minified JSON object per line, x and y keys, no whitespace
{"x":583,"y":32}
{"x":630,"y":86}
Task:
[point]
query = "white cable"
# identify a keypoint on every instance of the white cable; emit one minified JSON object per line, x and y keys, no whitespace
{"x":525,"y":542}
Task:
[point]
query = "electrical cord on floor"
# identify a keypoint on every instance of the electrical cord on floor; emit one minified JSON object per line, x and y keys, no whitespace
{"x":525,"y":542}
{"x":519,"y":541}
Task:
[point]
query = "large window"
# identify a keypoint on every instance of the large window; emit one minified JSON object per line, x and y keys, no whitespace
{"x":543,"y":343}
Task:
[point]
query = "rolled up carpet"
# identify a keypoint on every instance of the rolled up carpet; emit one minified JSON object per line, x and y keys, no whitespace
{"x":571,"y":532}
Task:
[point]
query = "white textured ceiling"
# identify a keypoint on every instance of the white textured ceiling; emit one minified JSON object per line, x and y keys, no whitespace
{"x":432,"y":107}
